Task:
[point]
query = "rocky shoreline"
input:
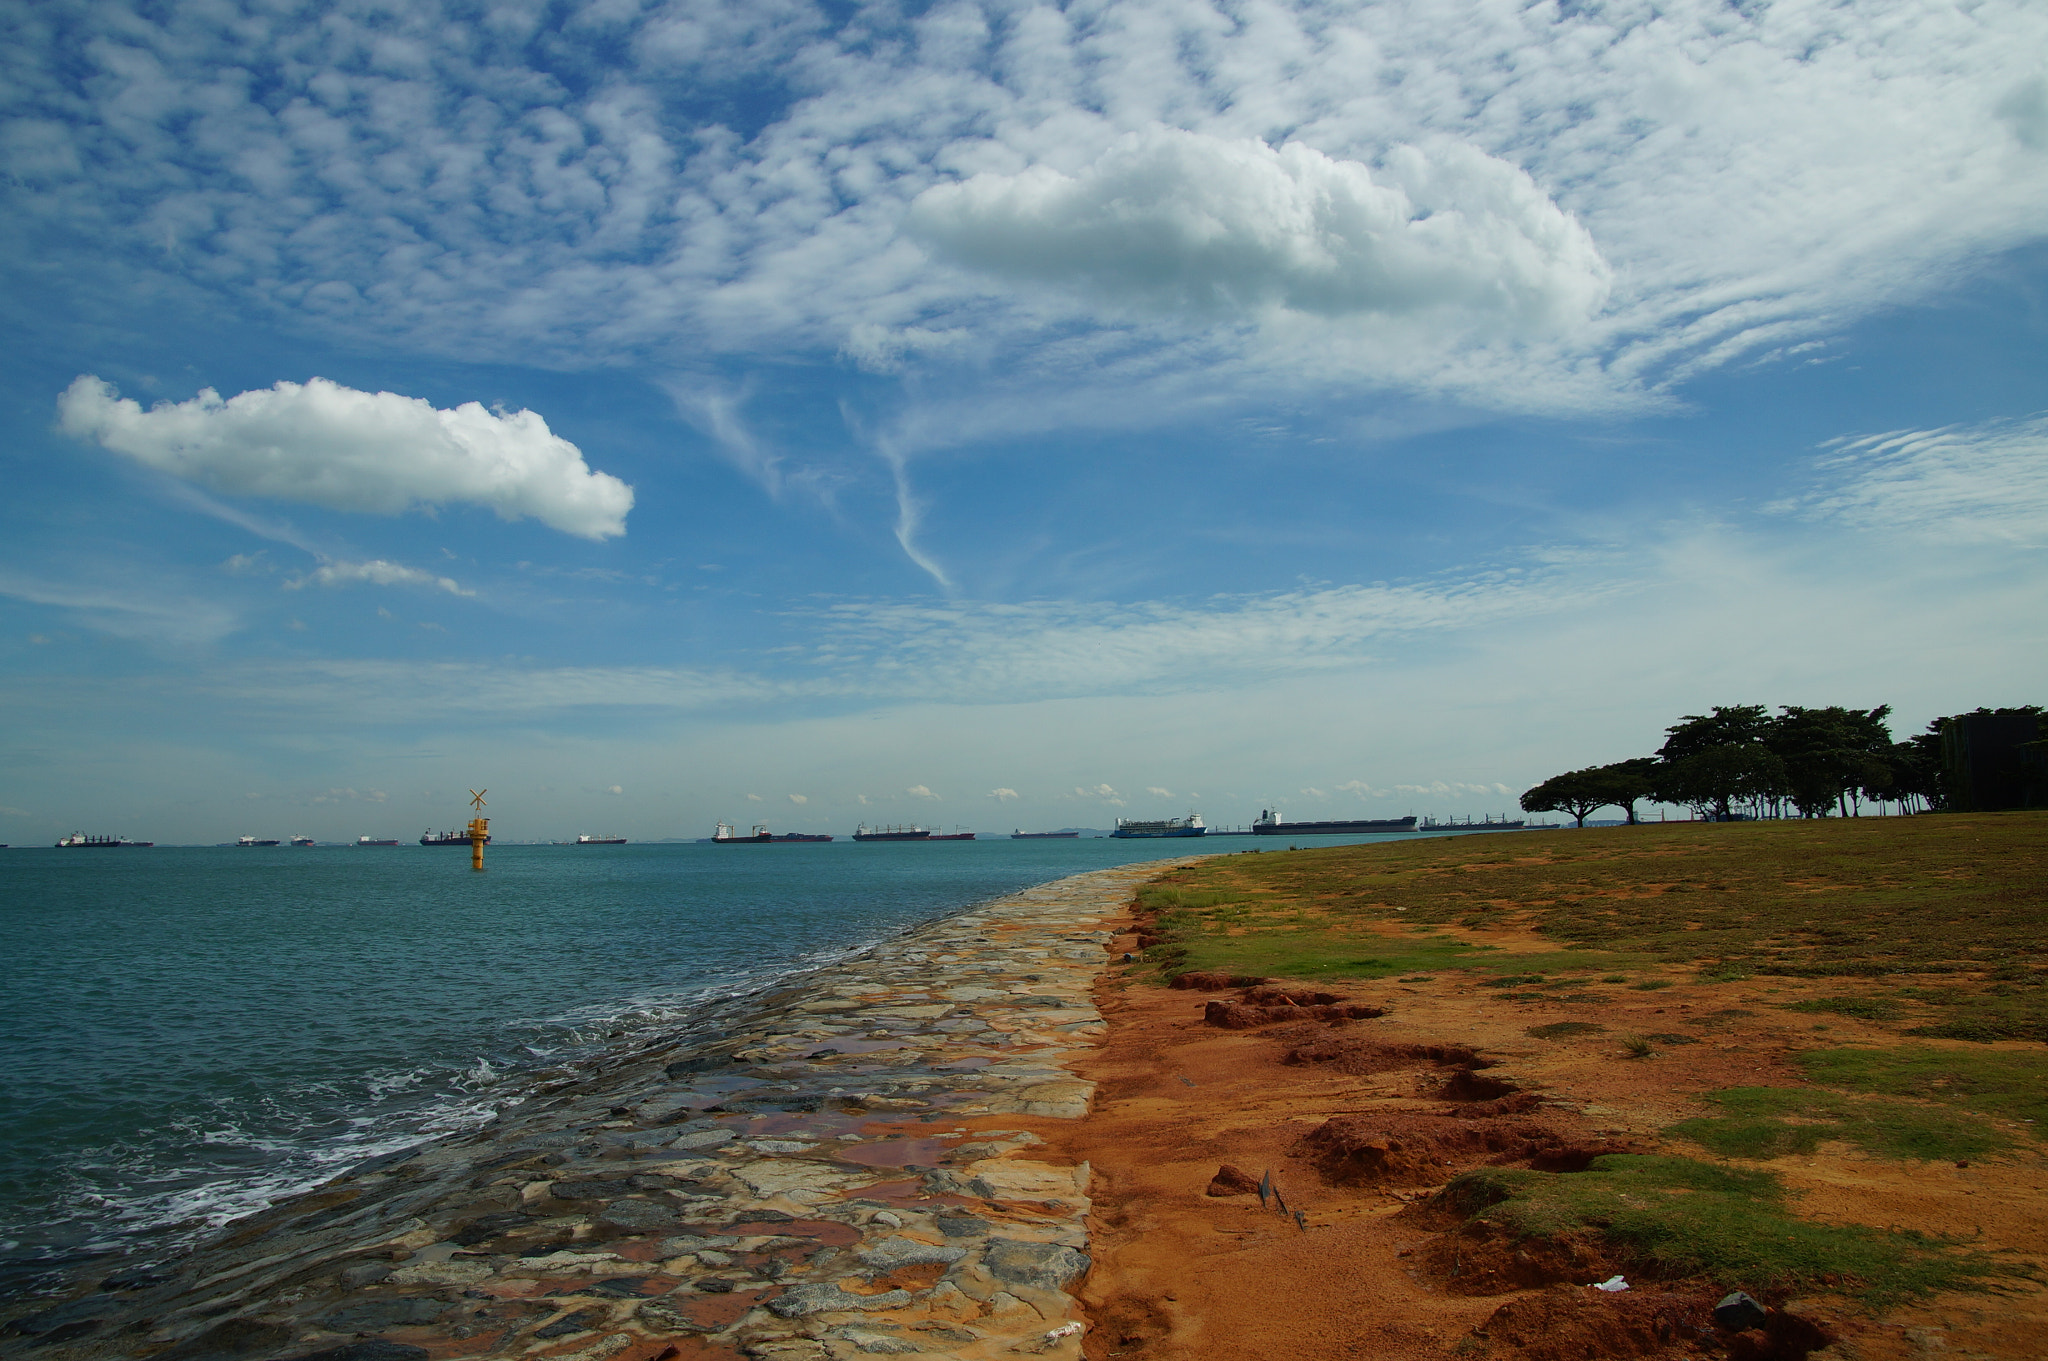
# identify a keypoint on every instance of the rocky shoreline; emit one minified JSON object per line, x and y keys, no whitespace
{"x":842,"y":1168}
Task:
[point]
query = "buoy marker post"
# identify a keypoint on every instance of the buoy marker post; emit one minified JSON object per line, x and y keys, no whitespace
{"x":479,"y":829}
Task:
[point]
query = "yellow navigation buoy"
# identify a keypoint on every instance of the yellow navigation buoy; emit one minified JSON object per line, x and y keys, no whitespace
{"x":479,"y":829}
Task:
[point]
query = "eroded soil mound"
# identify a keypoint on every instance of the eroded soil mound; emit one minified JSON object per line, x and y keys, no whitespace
{"x":1201,"y":980}
{"x":1574,"y":1323}
{"x":1472,"y":1261}
{"x":1358,"y":1055}
{"x":1414,"y":1149}
{"x":1264,"y":1003}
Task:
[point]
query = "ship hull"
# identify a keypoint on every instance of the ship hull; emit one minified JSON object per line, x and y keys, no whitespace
{"x":450,"y":840}
{"x":1127,"y":834}
{"x":1341,"y":828}
{"x":892,"y":836}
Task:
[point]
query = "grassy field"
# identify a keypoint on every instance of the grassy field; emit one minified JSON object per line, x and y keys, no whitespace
{"x":1936,"y":921}
{"x":1933,"y":928}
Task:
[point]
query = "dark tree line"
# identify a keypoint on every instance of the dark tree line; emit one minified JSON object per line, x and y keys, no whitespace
{"x":1740,"y":760}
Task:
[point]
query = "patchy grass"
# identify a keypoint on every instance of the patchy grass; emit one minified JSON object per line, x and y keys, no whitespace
{"x":1771,"y":1122}
{"x":1637,"y":1047}
{"x":1862,"y":1008}
{"x":1677,"y":1219}
{"x":1999,"y":1082}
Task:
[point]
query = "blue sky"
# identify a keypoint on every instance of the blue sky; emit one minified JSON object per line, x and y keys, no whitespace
{"x":995,"y":415}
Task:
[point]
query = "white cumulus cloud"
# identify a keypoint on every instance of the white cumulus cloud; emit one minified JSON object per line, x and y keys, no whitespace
{"x":328,"y":445}
{"x":799,"y":798}
{"x":1002,"y":795}
{"x":376,"y":572}
{"x":918,"y":791}
{"x":1225,"y":226}
{"x":1156,"y":790}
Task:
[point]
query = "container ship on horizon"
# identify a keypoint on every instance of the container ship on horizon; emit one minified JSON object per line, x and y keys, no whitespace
{"x":1269,"y":823}
{"x":80,"y":841}
{"x":432,"y":838}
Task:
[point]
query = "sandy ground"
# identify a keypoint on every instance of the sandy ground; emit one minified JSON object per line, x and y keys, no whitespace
{"x":1180,"y":1273}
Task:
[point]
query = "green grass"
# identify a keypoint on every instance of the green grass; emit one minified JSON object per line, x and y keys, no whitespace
{"x":1678,"y":1219}
{"x":1954,"y":894}
{"x":1862,"y":1008}
{"x":2012,"y":1084}
{"x":1771,"y":1122}
{"x":1653,"y":985}
{"x":1557,"y":1030}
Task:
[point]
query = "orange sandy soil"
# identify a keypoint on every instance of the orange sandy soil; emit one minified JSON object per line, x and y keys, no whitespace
{"x":1182,"y":1274}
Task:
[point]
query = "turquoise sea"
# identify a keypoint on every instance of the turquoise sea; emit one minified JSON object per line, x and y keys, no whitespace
{"x":191,"y":1032}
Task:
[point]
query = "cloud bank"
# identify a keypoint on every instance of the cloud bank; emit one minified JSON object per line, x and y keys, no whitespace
{"x":327,"y":445}
{"x":1726,"y":177}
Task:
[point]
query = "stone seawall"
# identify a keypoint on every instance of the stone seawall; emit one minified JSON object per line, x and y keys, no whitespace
{"x":845,"y":1169}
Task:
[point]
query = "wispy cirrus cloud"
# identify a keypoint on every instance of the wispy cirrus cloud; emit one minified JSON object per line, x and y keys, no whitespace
{"x":1984,"y":483}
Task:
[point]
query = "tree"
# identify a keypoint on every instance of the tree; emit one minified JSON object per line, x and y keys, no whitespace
{"x":1913,"y":773}
{"x":1577,"y":792}
{"x":1728,"y":725}
{"x":1627,"y":781}
{"x":1829,"y":752}
{"x":1715,"y":778}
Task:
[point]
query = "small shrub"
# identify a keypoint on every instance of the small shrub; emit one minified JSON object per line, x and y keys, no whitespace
{"x":1557,"y":1030}
{"x":1637,"y":1047}
{"x":1653,"y":984}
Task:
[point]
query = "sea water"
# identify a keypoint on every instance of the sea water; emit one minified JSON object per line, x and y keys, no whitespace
{"x":192,"y":1032}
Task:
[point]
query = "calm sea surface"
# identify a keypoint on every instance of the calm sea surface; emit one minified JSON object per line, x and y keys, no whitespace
{"x":192,"y":1031}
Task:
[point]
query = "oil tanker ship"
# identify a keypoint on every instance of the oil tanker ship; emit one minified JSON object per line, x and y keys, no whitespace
{"x":1269,"y":824}
{"x":1191,"y":825}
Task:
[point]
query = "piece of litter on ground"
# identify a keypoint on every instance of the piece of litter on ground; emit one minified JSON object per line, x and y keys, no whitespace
{"x":1611,"y":1283}
{"x":1185,"y":1078}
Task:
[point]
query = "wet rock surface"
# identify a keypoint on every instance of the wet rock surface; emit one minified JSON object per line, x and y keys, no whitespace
{"x":839,"y":1167}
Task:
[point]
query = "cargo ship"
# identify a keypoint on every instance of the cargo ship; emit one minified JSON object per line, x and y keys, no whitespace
{"x":302,"y":841}
{"x":433,"y":838}
{"x":1500,"y":824}
{"x":728,"y":835}
{"x":913,"y":832}
{"x":1269,"y":823}
{"x":1043,"y":836}
{"x":1191,"y":825}
{"x":955,"y":835}
{"x":255,"y":841}
{"x":585,"y":839}
{"x":80,"y":841}
{"x":372,"y":841}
